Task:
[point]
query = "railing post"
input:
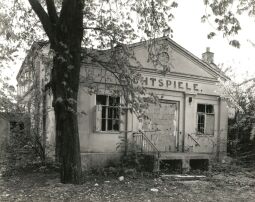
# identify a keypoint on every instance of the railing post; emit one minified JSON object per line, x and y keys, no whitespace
{"x":142,"y":143}
{"x":133,"y":141}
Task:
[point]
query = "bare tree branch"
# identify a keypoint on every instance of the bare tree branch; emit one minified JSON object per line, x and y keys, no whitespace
{"x":52,"y":11}
{"x":44,"y":18}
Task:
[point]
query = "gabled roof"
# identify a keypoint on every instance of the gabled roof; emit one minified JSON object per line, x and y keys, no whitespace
{"x":212,"y":68}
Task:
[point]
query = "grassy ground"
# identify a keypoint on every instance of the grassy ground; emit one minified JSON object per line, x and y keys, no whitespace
{"x":36,"y":186}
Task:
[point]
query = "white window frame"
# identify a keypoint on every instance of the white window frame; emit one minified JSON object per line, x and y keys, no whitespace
{"x":99,"y":119}
{"x":205,"y":114}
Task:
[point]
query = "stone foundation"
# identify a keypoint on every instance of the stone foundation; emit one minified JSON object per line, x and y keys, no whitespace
{"x":99,"y":160}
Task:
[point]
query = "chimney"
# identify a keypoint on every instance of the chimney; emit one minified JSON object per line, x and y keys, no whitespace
{"x":208,"y":56}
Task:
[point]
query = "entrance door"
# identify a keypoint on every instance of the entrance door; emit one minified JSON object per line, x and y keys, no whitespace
{"x":161,"y":126}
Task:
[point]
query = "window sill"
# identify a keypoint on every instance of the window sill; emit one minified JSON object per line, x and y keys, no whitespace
{"x":107,"y":132}
{"x":204,"y":135}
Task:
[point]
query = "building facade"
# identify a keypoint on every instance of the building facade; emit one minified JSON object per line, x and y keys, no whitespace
{"x":191,"y":118}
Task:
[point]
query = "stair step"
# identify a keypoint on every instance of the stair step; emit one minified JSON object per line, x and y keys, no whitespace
{"x":172,"y":156}
{"x":183,"y":177}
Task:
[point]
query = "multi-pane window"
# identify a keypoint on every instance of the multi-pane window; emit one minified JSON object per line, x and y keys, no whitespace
{"x":205,"y":119}
{"x":107,"y":113}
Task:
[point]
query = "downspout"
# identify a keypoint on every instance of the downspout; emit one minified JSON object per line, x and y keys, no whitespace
{"x":178,"y":125}
{"x":126,"y":132}
{"x":44,"y":111}
{"x":184,"y":118}
{"x":219,"y":131}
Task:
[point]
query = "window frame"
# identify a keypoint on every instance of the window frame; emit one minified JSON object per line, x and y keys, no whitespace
{"x":205,"y":114}
{"x":106,"y":118}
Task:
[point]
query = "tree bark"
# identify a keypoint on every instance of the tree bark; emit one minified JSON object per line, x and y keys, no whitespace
{"x":65,"y":87}
{"x":68,"y":146}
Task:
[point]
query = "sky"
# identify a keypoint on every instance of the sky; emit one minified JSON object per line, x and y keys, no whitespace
{"x":191,"y":34}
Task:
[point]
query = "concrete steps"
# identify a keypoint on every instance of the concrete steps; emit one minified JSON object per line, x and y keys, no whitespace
{"x":187,"y":161}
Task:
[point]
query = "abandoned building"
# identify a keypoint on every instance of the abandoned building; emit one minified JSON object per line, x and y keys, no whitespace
{"x":10,"y":124}
{"x":189,"y":124}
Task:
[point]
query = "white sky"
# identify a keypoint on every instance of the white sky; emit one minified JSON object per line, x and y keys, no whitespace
{"x":190,"y":33}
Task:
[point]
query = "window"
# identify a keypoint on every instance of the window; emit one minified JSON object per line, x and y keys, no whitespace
{"x":205,"y":119}
{"x":27,"y":75}
{"x":107,"y":113}
{"x":16,"y":127}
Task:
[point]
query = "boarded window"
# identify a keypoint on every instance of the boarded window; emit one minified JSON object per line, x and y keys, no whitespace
{"x":205,"y":119}
{"x":107,"y":113}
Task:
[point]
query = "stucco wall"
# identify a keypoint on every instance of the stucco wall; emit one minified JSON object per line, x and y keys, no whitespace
{"x":4,"y":132}
{"x":223,"y":129}
{"x":102,"y":142}
{"x":90,"y":140}
{"x":185,"y":62}
{"x":101,"y":147}
{"x":207,"y":143}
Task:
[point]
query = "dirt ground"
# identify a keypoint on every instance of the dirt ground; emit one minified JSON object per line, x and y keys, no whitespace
{"x":44,"y":187}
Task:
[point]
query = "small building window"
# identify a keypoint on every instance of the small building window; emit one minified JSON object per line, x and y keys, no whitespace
{"x":107,"y":113}
{"x":205,"y":119}
{"x":16,"y":128}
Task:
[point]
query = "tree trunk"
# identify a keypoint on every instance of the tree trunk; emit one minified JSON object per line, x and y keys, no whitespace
{"x":65,"y":87}
{"x":65,"y":93}
{"x":68,"y":146}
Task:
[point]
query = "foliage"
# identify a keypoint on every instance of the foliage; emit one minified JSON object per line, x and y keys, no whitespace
{"x":226,"y":15}
{"x":133,"y":159}
{"x":241,"y":141}
{"x":7,"y":96}
{"x":241,"y":133}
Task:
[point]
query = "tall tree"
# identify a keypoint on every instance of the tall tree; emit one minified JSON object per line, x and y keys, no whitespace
{"x":65,"y":35}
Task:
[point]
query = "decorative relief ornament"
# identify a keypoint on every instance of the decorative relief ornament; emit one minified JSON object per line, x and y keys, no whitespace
{"x":163,"y":58}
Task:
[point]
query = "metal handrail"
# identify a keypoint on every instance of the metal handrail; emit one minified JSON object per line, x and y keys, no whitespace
{"x":197,"y":144}
{"x":147,"y":140}
{"x":151,"y":131}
